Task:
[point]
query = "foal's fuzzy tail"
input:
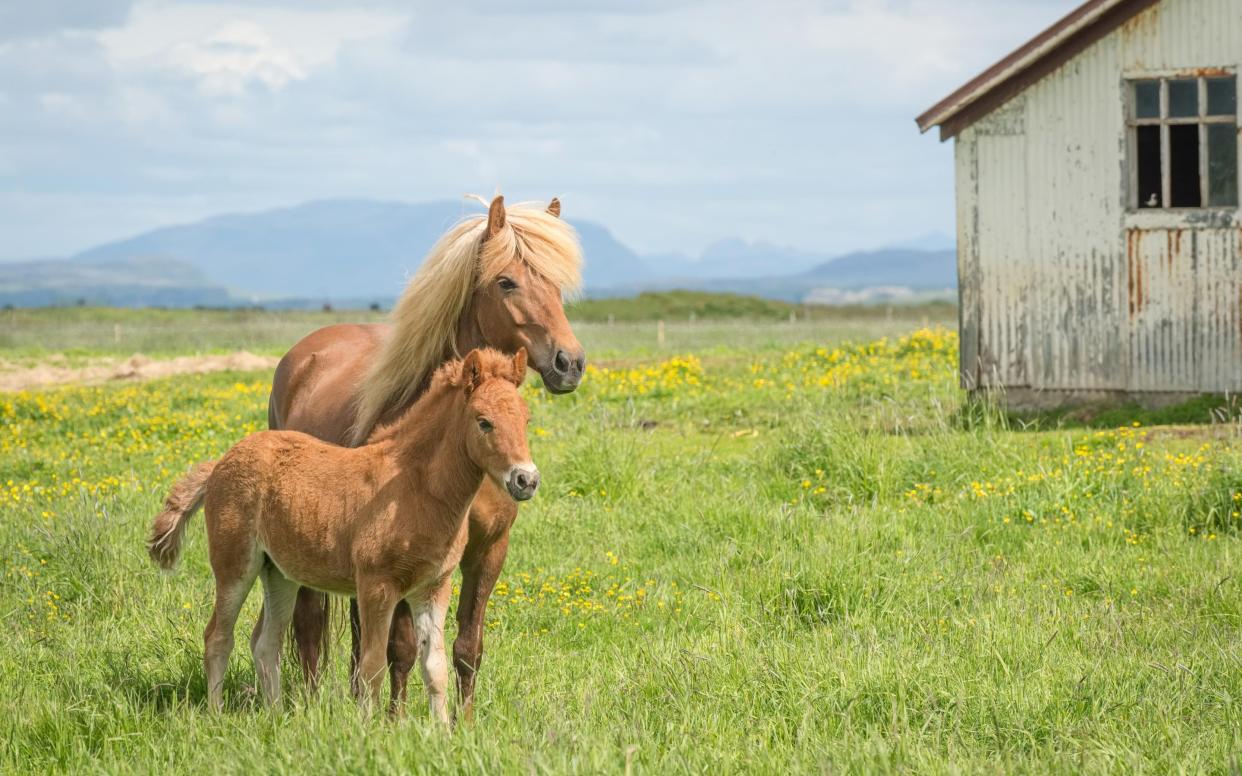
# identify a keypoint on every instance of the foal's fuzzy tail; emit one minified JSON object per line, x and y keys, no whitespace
{"x":183,"y":501}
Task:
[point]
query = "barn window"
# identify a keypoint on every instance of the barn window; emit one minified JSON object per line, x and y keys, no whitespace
{"x":1183,"y":142}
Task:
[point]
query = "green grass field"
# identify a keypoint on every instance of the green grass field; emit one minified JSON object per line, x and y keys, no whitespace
{"x":764,"y":547}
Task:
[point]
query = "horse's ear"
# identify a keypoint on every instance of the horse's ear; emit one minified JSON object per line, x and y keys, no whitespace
{"x":554,"y":207}
{"x":519,"y":366}
{"x":472,"y":371}
{"x":496,"y":216}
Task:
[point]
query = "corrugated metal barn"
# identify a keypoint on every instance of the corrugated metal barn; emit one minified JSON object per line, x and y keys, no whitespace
{"x":1098,"y":232}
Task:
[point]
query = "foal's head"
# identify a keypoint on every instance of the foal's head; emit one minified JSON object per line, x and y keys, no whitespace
{"x":496,"y":418}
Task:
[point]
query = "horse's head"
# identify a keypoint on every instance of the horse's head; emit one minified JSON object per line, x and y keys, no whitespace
{"x":518,"y":301}
{"x":496,"y":419}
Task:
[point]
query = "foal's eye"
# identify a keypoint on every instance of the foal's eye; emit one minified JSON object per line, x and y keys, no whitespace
{"x":485,"y":425}
{"x":506,"y":284}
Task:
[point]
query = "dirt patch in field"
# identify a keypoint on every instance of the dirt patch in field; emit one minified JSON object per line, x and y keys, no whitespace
{"x":136,"y":367}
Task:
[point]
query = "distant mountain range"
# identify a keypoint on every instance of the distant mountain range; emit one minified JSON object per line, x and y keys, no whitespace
{"x":362,"y":251}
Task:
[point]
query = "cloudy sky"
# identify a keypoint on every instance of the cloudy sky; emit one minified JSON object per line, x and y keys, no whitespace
{"x":673,"y":122}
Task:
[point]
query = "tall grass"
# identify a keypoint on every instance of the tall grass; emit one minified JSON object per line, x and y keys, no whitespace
{"x":765,"y":560}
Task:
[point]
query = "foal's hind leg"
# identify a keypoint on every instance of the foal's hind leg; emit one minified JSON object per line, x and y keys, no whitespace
{"x":234,"y":577}
{"x":279,"y":594}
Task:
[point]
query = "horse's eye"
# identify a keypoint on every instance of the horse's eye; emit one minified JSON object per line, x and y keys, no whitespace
{"x":507,"y":284}
{"x":485,"y":425}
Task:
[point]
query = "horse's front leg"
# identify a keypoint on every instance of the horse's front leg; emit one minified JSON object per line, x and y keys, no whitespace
{"x":429,"y":629}
{"x":376,"y":600}
{"x":491,"y":516}
{"x":402,"y":653}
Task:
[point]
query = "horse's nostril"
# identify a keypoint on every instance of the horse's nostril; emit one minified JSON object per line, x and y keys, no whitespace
{"x":561,"y":362}
{"x":522,"y":481}
{"x":580,"y":363}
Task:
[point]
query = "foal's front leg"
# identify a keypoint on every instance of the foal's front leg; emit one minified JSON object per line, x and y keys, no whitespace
{"x":429,"y":629}
{"x":376,"y":600}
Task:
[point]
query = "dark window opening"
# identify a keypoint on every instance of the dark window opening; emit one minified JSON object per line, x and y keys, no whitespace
{"x":1149,"y":167}
{"x":1184,"y":165}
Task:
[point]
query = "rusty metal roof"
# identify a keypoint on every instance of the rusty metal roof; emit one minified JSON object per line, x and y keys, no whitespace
{"x":1030,"y":62}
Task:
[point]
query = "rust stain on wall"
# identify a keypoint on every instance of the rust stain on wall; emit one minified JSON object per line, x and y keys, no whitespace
{"x":1207,"y":72}
{"x":1175,"y":247}
{"x":1145,"y":23}
{"x":1130,"y":239}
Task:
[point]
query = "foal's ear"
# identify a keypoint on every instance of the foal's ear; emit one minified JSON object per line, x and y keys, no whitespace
{"x":496,"y":216}
{"x":554,"y":207}
{"x":519,"y":367}
{"x":472,"y":371}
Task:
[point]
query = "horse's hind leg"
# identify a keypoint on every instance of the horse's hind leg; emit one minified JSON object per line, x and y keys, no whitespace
{"x":235,"y":575}
{"x":310,"y":623}
{"x":279,"y":594}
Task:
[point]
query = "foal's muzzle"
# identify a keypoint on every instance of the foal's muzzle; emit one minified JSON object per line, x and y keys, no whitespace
{"x":522,"y":481}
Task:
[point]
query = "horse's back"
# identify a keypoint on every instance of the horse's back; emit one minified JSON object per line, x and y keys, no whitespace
{"x":294,"y":494}
{"x":259,"y":458}
{"x":314,"y":385}
{"x":282,"y":464}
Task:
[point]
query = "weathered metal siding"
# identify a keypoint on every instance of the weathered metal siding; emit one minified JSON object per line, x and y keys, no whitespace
{"x":1003,"y":344}
{"x":1062,"y":287}
{"x":1219,"y":311}
{"x":966,"y":168}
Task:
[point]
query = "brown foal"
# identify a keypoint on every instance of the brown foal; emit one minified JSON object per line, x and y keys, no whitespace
{"x":385,"y":522}
{"x":497,"y":282}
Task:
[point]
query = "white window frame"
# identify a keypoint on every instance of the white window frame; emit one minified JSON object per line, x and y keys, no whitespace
{"x":1164,"y":121}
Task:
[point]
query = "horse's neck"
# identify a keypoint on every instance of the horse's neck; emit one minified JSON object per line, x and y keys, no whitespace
{"x":425,"y":444}
{"x":468,"y":335}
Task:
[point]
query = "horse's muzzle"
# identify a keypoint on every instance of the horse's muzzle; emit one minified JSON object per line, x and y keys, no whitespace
{"x":522,"y":481}
{"x":565,"y":372}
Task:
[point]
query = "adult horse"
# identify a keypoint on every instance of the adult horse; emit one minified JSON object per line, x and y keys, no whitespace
{"x":494,"y":281}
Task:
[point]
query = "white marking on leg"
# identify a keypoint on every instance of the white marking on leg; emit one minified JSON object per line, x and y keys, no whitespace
{"x":279,"y":597}
{"x":429,"y":627}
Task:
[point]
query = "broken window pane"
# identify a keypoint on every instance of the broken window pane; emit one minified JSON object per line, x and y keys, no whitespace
{"x":1184,"y":165}
{"x":1148,"y":153}
{"x":1222,"y":97}
{"x":1183,"y":98}
{"x":1147,"y":99}
{"x":1222,"y":165}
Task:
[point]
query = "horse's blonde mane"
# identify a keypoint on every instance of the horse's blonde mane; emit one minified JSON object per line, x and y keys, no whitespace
{"x":424,"y":320}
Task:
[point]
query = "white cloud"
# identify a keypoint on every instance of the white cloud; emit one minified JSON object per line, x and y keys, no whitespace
{"x":233,"y":59}
{"x":312,"y":33}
